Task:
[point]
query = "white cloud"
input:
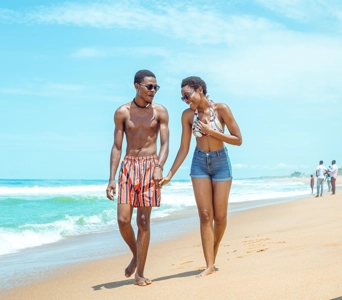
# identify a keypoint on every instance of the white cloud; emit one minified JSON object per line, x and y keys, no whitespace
{"x":211,"y":27}
{"x":99,"y":52}
{"x":287,"y":66}
{"x":240,"y":166}
{"x":303,"y":10}
{"x":43,"y":88}
{"x":9,"y":16}
{"x":249,"y":55}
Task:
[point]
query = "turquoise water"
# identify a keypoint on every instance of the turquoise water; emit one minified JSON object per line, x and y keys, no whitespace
{"x":45,"y":224}
{"x":39,"y":212}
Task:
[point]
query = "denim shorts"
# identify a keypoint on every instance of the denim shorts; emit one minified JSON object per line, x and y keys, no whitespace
{"x":214,"y":165}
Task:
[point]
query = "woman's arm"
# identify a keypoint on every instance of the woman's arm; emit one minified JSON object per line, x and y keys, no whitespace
{"x":235,"y":137}
{"x":183,"y":148}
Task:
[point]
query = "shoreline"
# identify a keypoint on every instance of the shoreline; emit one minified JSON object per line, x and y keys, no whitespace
{"x":80,"y":249}
{"x":295,"y":241}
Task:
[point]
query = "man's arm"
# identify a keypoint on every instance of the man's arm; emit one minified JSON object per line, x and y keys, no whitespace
{"x":164,"y":144}
{"x":115,"y":155}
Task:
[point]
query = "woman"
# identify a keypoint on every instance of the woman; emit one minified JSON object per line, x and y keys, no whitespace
{"x":211,"y":172}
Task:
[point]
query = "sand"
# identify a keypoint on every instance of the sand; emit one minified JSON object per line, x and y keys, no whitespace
{"x":291,"y":250}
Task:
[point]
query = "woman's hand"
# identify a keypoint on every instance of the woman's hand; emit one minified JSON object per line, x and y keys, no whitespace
{"x":165,"y":180}
{"x":203,"y":127}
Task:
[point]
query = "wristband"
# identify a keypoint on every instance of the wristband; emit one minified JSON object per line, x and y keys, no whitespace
{"x":160,"y":166}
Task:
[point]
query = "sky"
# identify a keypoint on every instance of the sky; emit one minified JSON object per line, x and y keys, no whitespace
{"x":65,"y":67}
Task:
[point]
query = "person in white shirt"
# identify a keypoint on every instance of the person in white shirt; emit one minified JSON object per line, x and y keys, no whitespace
{"x":333,"y":175}
{"x":320,"y":174}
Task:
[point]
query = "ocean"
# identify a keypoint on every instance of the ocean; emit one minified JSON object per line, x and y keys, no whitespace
{"x":44,"y":223}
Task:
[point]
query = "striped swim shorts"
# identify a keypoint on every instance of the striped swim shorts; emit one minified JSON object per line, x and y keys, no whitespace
{"x":136,"y":185}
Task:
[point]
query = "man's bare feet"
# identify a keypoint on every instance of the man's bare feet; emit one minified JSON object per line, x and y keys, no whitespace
{"x":131,"y":268}
{"x":142,"y":281}
{"x":206,"y":272}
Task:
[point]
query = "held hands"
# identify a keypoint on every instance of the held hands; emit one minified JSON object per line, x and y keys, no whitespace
{"x":157,"y":177}
{"x":165,"y":180}
{"x":111,"y":190}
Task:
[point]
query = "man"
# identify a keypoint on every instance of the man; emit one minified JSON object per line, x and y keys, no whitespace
{"x":320,"y":174}
{"x":141,"y":169}
{"x":333,"y":175}
{"x":312,"y":183}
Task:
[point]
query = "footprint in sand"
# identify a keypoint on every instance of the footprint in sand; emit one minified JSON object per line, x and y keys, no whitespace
{"x":187,"y":262}
{"x":261,"y":250}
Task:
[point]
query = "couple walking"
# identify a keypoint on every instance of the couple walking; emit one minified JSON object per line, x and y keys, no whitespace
{"x":141,"y":173}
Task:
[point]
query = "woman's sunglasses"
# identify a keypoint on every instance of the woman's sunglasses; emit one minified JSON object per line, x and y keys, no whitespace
{"x":187,"y":96}
{"x":150,"y":87}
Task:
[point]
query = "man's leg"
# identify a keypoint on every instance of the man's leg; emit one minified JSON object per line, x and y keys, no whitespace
{"x":321,"y":183}
{"x":318,"y":183}
{"x":333,"y":184}
{"x":143,"y":241}
{"x":124,"y":221}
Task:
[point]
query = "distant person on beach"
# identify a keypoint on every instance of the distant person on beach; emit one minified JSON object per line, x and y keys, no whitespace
{"x":211,"y":171}
{"x":320,"y":174}
{"x":333,"y":175}
{"x":141,"y":121}
{"x":312,"y":183}
{"x":329,"y":182}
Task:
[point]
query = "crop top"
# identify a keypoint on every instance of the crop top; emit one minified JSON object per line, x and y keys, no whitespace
{"x":214,"y":122}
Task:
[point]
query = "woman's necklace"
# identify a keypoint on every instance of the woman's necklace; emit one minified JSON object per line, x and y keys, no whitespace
{"x":148,"y":104}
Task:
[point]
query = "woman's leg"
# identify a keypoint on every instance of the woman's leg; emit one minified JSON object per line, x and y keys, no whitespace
{"x":204,"y":199}
{"x":221,"y":192}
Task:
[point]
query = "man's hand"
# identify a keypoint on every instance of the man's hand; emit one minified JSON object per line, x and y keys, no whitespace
{"x":157,"y":176}
{"x":111,"y":190}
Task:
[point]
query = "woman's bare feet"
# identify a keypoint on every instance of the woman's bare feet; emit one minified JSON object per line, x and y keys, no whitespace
{"x":206,"y":272}
{"x":131,"y":268}
{"x":148,"y":281}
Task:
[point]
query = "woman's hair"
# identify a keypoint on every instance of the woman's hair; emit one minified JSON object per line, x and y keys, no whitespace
{"x":195,"y":82}
{"x":140,"y":75}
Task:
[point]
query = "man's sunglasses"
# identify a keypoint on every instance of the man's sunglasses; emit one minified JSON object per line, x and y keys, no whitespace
{"x":150,"y":86}
{"x":187,"y":96}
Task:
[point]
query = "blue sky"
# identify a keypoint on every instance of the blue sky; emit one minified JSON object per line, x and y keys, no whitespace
{"x":66,"y":67}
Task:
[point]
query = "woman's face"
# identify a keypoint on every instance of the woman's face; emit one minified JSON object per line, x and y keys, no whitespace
{"x":188,"y":95}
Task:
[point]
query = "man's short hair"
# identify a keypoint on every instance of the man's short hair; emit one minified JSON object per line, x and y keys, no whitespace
{"x":195,"y":82}
{"x":140,"y":75}
{"x":320,"y":162}
{"x":333,"y":162}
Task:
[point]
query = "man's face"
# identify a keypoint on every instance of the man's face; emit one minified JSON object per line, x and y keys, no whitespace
{"x":147,"y":88}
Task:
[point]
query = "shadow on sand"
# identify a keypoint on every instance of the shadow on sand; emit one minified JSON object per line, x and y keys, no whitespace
{"x":117,"y":284}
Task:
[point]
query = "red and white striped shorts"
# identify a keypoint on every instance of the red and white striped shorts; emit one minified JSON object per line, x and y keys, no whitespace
{"x":136,"y":185}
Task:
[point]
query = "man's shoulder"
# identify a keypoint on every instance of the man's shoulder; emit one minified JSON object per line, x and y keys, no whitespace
{"x":122,"y":110}
{"x":123,"y":107}
{"x":158,"y":106}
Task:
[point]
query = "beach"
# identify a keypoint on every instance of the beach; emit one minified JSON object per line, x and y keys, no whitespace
{"x":288,"y":250}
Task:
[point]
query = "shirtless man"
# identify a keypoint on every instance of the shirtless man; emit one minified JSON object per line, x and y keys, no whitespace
{"x":141,"y":169}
